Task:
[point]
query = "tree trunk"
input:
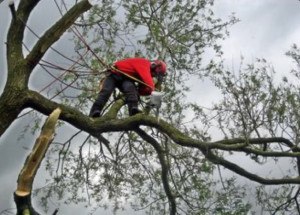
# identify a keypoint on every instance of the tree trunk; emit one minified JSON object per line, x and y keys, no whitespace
{"x":23,"y":203}
{"x":11,"y":104}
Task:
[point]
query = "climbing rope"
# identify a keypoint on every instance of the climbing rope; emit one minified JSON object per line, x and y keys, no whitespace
{"x":101,"y":61}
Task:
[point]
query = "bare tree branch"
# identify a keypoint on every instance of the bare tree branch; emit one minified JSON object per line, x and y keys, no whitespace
{"x":56,"y":31}
{"x":104,"y":124}
{"x":164,"y":168}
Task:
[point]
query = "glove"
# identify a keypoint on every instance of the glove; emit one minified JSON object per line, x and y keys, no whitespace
{"x":156,"y":99}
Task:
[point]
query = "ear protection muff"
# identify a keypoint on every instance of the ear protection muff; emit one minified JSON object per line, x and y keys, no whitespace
{"x":153,"y":66}
{"x":155,"y":71}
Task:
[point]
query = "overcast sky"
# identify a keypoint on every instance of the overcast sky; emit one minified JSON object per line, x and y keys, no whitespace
{"x":267,"y":30}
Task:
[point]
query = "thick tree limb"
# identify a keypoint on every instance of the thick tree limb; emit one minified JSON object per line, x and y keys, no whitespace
{"x":32,"y":163}
{"x":11,"y":104}
{"x":25,"y":8}
{"x":237,"y":169}
{"x":12,"y":100}
{"x":115,"y":108}
{"x":56,"y":31}
{"x":16,"y":30}
{"x":12,"y":10}
{"x":100,"y":125}
{"x":18,"y":71}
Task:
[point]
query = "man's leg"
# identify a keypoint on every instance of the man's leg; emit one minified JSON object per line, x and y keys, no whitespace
{"x":104,"y":94}
{"x":131,"y":94}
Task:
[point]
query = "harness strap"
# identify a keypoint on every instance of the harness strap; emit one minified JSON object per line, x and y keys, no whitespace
{"x":129,"y":76}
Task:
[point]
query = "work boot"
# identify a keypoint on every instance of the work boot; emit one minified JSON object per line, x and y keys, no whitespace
{"x":133,"y":108}
{"x":96,"y":110}
{"x":95,"y":114}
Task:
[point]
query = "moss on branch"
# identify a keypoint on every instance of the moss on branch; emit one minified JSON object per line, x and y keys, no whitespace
{"x":105,"y":124}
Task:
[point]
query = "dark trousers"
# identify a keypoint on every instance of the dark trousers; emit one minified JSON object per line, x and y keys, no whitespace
{"x":124,"y":84}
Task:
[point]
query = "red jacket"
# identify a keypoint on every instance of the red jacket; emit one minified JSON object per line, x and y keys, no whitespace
{"x":140,"y":69}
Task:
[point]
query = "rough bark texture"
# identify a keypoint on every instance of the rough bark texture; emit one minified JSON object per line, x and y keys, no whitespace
{"x":13,"y":99}
{"x":15,"y":96}
{"x":107,"y":124}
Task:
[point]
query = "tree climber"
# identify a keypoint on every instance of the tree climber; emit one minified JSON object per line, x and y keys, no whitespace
{"x":133,"y":77}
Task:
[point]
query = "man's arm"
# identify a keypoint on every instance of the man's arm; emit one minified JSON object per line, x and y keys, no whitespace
{"x":143,"y":70}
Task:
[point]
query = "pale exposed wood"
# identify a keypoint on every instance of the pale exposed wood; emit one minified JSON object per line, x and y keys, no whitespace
{"x":37,"y":154}
{"x":21,"y":193}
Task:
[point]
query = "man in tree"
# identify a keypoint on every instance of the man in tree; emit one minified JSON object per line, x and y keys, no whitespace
{"x":123,"y":75}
